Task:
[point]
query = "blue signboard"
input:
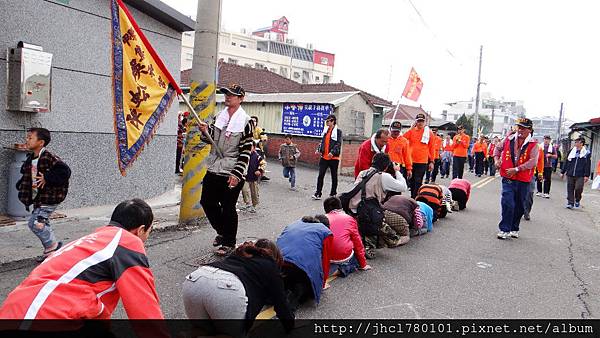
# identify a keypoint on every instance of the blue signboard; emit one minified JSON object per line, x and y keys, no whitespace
{"x":305,"y":118}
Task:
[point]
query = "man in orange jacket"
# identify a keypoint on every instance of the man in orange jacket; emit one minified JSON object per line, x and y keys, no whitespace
{"x":459,"y":154}
{"x":399,"y":149}
{"x":421,"y":141}
{"x":431,"y":175}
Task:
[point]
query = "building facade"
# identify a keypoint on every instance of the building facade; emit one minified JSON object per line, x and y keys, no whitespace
{"x":503,"y":113}
{"x":81,"y":115}
{"x":268,"y":49}
{"x":545,"y":125}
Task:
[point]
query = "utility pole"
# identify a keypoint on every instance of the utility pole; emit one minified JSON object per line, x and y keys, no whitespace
{"x":476,"y":115}
{"x":560,"y":114}
{"x":202,"y":98}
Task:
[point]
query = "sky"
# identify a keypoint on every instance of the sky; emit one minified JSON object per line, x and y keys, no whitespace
{"x":540,"y":52}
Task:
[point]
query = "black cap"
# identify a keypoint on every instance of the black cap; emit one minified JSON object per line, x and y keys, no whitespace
{"x":547,"y":137}
{"x":420,"y":116}
{"x":233,"y":89}
{"x":524,"y":122}
{"x":396,"y":126}
{"x":580,"y":139}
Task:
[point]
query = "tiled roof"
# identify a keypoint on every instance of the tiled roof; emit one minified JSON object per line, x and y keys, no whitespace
{"x":404,"y":112}
{"x":263,"y":81}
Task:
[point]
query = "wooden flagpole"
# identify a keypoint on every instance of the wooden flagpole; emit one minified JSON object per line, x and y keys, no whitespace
{"x":206,"y":135}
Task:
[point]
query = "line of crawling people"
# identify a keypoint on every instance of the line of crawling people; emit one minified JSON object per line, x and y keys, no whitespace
{"x":85,"y":279}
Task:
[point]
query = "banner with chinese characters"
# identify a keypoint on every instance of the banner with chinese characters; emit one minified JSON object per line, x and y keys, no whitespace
{"x":413,"y":87}
{"x":143,"y":88}
{"x":304,"y":118}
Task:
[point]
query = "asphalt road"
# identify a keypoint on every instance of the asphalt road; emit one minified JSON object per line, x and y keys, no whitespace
{"x":460,"y":270}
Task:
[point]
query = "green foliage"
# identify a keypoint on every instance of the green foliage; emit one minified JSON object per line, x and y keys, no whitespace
{"x":485,"y":124}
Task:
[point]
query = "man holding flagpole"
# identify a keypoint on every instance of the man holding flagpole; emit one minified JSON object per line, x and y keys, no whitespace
{"x":232,"y":133}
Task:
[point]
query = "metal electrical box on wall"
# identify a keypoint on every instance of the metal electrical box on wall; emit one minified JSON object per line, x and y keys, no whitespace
{"x":29,"y":79}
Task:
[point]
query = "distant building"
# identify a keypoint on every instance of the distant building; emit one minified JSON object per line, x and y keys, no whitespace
{"x":545,"y":125}
{"x":503,"y":113}
{"x":270,"y":49}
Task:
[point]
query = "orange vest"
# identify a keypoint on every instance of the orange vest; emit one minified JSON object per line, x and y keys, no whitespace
{"x":508,"y":161}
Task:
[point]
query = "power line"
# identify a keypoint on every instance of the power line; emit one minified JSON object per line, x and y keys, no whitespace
{"x":434,"y":34}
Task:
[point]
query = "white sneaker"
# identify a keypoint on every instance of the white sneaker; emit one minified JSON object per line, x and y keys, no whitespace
{"x":538,"y":194}
{"x":546,"y":195}
{"x":502,"y":235}
{"x":251,"y":209}
{"x":514,"y":234}
{"x":294,"y":189}
{"x":316,"y":197}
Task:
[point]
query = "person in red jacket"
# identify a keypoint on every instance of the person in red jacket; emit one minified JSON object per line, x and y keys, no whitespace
{"x":461,"y":191}
{"x":516,"y":157}
{"x":376,"y":144}
{"x":348,"y":252}
{"x":86,"y":278}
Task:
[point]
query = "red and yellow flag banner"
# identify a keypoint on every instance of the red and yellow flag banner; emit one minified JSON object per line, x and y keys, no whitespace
{"x":143,"y":88}
{"x":413,"y":87}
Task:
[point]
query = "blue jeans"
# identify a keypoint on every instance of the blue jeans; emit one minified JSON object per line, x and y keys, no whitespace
{"x":290,"y":172}
{"x":514,"y":194}
{"x":39,"y":223}
{"x":345,"y":268}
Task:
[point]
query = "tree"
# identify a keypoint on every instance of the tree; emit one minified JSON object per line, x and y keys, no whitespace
{"x":485,"y":124}
{"x":467,"y":123}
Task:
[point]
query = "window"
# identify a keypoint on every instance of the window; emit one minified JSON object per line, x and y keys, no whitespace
{"x":232,"y":61}
{"x":317,"y":79}
{"x":283,"y":71}
{"x":273,"y":70}
{"x":470,"y":106}
{"x":243,"y":46}
{"x":189,"y":56}
{"x":357,"y":123}
{"x":296,"y":75}
{"x":259,"y":65}
{"x":233,"y":43}
{"x":247,"y":65}
{"x":325,"y":78}
{"x":305,"y":76}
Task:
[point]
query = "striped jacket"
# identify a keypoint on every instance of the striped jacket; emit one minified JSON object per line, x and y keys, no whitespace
{"x":85,"y":280}
{"x":235,"y":147}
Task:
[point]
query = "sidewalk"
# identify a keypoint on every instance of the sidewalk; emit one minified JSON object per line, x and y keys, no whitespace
{"x":20,"y":247}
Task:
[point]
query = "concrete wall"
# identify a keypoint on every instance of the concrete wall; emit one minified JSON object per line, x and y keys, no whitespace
{"x":81,"y":121}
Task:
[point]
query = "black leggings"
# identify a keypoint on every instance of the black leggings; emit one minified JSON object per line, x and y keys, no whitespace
{"x":297,"y":285}
{"x":459,"y":196}
{"x":218,"y":202}
{"x":333,"y":166}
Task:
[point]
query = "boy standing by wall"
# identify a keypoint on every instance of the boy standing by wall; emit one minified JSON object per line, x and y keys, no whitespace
{"x":45,"y":183}
{"x":288,"y":155}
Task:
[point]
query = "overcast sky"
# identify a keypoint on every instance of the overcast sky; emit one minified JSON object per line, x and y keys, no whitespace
{"x":541,"y":52}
